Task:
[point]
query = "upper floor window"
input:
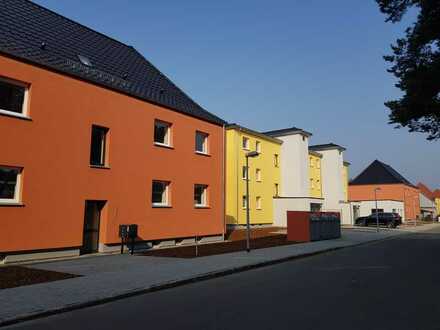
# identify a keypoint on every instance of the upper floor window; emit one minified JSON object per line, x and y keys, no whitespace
{"x":245,"y":172}
{"x":10,"y":178}
{"x":160,"y":193}
{"x":318,"y":164}
{"x":258,"y":174}
{"x":98,"y":146}
{"x":276,"y":190}
{"x":258,"y":147}
{"x":200,"y":195}
{"x":312,"y":184}
{"x":311,"y":161}
{"x":276,"y":160}
{"x":245,"y":143}
{"x":12,"y":97}
{"x":201,"y":142}
{"x":162,"y":133}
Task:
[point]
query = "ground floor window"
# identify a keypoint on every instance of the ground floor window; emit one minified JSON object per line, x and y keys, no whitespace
{"x":258,"y":202}
{"x":10,"y":184}
{"x":160,"y":193}
{"x":200,"y":195}
{"x":315,"y":207}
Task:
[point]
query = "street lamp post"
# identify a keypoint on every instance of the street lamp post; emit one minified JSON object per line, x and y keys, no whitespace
{"x":248,"y":225}
{"x":377,"y":212}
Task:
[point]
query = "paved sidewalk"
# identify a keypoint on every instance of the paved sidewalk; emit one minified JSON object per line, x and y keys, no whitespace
{"x":109,"y":277}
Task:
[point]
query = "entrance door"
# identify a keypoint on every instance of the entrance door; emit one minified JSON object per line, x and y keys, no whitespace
{"x":92,"y":219}
{"x":356,"y":212}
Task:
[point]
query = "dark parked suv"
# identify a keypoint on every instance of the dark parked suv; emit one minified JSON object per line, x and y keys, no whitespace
{"x":391,"y":220}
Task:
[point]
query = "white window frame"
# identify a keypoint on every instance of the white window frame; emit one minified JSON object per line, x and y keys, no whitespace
{"x":204,"y":195}
{"x":25,"y":106}
{"x":166,"y":193}
{"x":17,"y":191}
{"x":244,"y":202}
{"x":311,"y":162}
{"x":244,"y":177}
{"x":258,"y":203}
{"x":258,"y":146}
{"x":162,"y":123}
{"x":258,"y":175}
{"x":205,"y":150}
{"x":245,"y":146}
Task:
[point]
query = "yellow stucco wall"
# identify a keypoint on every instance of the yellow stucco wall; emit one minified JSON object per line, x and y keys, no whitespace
{"x":345,"y":176}
{"x":236,"y":185}
{"x":437,"y":205}
{"x":315,"y":182}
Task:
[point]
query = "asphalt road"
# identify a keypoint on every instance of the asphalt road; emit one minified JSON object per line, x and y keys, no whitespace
{"x":393,"y":284}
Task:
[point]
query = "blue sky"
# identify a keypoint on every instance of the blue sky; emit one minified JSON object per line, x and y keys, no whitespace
{"x":313,"y":64}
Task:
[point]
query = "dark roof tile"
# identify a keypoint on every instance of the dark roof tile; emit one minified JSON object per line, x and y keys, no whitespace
{"x":24,"y":26}
{"x":379,"y":173}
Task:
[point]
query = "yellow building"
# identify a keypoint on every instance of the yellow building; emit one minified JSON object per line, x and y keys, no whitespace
{"x":345,"y":178}
{"x":436,"y":196}
{"x":315,"y":184}
{"x":264,"y":175}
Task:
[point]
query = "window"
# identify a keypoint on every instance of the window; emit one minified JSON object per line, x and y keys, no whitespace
{"x":258,"y":174}
{"x":276,"y":190}
{"x":98,"y":146}
{"x":245,"y":172}
{"x":312,"y":184}
{"x":10,"y":184}
{"x":318,"y":184}
{"x":244,"y":202}
{"x":160,"y":193}
{"x":258,"y":203}
{"x":162,"y":133}
{"x":245,"y":143}
{"x":12,"y":97}
{"x":315,"y":207}
{"x":311,"y":161}
{"x":258,"y":147}
{"x":200,"y":195}
{"x":318,"y":164}
{"x":276,"y":160}
{"x":201,"y":142}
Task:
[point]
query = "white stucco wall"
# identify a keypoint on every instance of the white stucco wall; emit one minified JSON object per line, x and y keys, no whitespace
{"x":294,"y":165}
{"x":386,"y":205}
{"x":332,"y":163}
{"x":282,"y":205}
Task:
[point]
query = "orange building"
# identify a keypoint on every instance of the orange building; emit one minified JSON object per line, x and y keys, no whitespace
{"x":94,"y":136}
{"x":389,"y":186}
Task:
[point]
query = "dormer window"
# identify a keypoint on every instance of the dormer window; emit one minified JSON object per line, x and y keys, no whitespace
{"x":84,"y":60}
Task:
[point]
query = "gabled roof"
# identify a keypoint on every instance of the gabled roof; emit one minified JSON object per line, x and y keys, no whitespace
{"x":436,"y":193}
{"x":327,"y":146}
{"x":254,"y":133}
{"x":42,"y":37}
{"x":287,"y":131}
{"x":379,"y":173}
{"x":425,"y":191}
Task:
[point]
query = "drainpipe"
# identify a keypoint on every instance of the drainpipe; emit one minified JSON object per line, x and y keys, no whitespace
{"x":224,"y":182}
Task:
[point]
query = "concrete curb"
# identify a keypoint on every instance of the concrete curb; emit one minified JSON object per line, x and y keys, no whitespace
{"x":177,"y":283}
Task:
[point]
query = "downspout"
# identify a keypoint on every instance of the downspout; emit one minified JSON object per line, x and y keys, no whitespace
{"x":224,"y":182}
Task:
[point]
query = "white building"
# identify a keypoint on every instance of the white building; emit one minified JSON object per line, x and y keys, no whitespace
{"x":295,"y":176}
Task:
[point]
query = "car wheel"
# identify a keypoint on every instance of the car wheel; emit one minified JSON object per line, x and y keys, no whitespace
{"x":391,"y":224}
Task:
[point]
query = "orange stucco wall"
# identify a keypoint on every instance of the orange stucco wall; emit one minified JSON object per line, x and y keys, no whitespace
{"x":400,"y":192}
{"x":54,"y":150}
